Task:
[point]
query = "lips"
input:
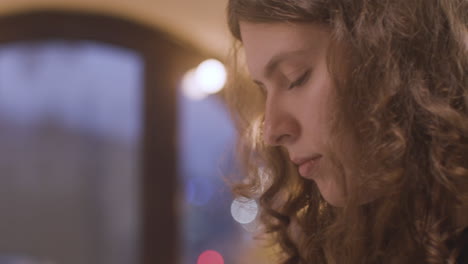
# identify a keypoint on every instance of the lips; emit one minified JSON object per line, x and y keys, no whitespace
{"x":306,"y":166}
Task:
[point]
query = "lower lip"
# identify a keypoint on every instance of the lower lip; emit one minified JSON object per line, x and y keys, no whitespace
{"x":306,"y":168}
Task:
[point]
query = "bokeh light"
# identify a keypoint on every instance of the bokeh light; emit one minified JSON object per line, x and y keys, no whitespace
{"x":191,"y":87}
{"x":252,"y":227}
{"x":208,"y":78}
{"x":211,"y":76}
{"x":244,"y":210}
{"x":210,"y":257}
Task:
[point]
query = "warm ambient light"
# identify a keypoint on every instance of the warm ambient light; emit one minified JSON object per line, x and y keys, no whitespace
{"x":208,"y":78}
{"x":210,"y":257}
{"x":244,"y":210}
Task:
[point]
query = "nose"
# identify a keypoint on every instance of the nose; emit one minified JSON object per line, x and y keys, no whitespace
{"x":280,"y":127}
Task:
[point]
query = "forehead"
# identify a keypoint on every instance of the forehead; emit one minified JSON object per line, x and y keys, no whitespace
{"x":263,"y":41}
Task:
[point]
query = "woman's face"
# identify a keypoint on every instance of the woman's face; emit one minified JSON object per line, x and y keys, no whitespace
{"x":288,"y":62}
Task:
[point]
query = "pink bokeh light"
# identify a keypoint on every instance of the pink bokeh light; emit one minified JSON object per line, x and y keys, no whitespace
{"x":210,"y":257}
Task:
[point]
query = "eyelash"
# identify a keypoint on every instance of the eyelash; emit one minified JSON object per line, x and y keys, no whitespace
{"x":300,"y":81}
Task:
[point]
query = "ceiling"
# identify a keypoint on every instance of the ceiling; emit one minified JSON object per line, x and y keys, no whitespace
{"x":199,"y":22}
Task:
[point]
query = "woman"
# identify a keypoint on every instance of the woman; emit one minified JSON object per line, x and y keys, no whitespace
{"x":353,"y":126}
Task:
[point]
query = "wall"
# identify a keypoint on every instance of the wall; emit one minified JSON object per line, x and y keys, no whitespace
{"x":201,"y":22}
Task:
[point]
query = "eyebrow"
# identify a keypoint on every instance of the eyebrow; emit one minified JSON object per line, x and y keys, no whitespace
{"x":277,"y":60}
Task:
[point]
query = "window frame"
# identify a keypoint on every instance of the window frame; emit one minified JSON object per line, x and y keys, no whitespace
{"x":165,"y":61}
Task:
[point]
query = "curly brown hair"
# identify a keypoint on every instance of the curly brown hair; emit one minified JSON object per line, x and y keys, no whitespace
{"x":404,"y":95}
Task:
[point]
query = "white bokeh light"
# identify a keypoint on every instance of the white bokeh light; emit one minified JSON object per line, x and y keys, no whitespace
{"x":191,"y":87}
{"x":244,"y":210}
{"x":211,"y":76}
{"x":252,"y":227}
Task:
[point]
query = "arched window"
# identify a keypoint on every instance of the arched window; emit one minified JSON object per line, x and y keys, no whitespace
{"x":88,"y":136}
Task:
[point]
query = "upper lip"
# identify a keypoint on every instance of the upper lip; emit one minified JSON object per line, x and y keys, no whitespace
{"x":300,"y":161}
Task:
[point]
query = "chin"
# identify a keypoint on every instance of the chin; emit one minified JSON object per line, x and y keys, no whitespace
{"x":331,"y":193}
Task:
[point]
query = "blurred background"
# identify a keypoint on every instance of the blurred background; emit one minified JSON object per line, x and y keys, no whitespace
{"x":115,"y":143}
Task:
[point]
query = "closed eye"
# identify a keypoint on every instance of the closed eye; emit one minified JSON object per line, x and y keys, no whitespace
{"x":301,"y":80}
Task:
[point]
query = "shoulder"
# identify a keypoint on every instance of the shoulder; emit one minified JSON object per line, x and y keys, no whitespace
{"x":463,"y":256}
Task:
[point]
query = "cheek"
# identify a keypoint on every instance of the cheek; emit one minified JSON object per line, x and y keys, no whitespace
{"x":317,"y":110}
{"x":343,"y":150}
